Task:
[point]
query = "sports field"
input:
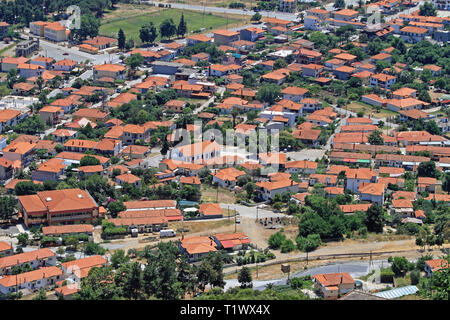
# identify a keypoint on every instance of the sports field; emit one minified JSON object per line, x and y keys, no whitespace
{"x":131,"y":24}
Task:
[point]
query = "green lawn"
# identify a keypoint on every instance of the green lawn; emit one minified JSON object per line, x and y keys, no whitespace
{"x":131,"y":25}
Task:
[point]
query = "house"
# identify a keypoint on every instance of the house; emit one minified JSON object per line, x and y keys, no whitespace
{"x":299,"y":198}
{"x":12,"y":63}
{"x":383,"y":57}
{"x":382,"y":80}
{"x":231,"y":242}
{"x":51,"y":114}
{"x":22,"y":151}
{"x":303,"y":167}
{"x":108,"y":147}
{"x":196,"y":152}
{"x":251,"y":34}
{"x":115,"y":71}
{"x":6,"y":249}
{"x":92,"y":114}
{"x":128,"y":178}
{"x":64,"y":65}
{"x":36,"y":259}
{"x":23,"y":88}
{"x":312,"y":70}
{"x":27,"y":70}
{"x":373,"y":192}
{"x":333,"y":191}
{"x":403,"y":207}
{"x":227,"y":177}
{"x":356,"y":177}
{"x":268,"y":189}
{"x":344,"y":72}
{"x":45,"y":62}
{"x":101,"y":43}
{"x":78,"y":269}
{"x":353,"y":208}
{"x":404,"y":104}
{"x":61,"y":135}
{"x":346,"y":14}
{"x":295,"y":94}
{"x":210,"y":210}
{"x":435,"y":265}
{"x":58,"y":207}
{"x":6,"y":169}
{"x":198,"y":38}
{"x":426,"y":184}
{"x":50,"y":170}
{"x":332,"y":285}
{"x":136,"y":152}
{"x":413,"y":34}
{"x":197,"y":247}
{"x":32,"y":280}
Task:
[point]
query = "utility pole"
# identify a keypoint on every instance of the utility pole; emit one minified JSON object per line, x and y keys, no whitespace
{"x":235,"y":224}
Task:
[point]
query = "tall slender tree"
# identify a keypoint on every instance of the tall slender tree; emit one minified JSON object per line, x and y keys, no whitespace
{"x":182,"y":26}
{"x":121,"y":39}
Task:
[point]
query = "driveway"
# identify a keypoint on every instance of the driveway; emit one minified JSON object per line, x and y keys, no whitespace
{"x":250,"y":212}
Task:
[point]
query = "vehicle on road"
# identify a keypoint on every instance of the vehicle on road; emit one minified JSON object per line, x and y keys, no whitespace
{"x":167,"y":233}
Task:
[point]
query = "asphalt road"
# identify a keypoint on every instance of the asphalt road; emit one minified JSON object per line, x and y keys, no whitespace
{"x":354,"y":268}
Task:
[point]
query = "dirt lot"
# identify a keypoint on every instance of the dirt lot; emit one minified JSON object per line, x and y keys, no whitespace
{"x":210,"y":194}
{"x":368,"y":110}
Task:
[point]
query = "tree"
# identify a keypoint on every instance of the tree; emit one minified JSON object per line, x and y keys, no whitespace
{"x":114,"y":207}
{"x":415,"y":277}
{"x":148,"y":33}
{"x":121,"y":39}
{"x":89,"y":161}
{"x":245,"y":278}
{"x":446,"y":182}
{"x":119,"y":258}
{"x":374,"y":218}
{"x":427,"y":169}
{"x":268,"y":93}
{"x":133,"y":281}
{"x":400,"y":265}
{"x":23,"y":239}
{"x":8,"y":205}
{"x":92,"y":248}
{"x":276,"y":240}
{"x":279,"y":63}
{"x":167,"y":28}
{"x":256,"y":17}
{"x":182,"y":27}
{"x":134,"y":61}
{"x":375,"y":138}
{"x":428,"y":9}
{"x":89,"y":26}
{"x":41,"y":295}
{"x":339,"y":4}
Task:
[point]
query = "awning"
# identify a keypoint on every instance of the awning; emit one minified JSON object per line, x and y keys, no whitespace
{"x":363,"y":161}
{"x":349,"y":160}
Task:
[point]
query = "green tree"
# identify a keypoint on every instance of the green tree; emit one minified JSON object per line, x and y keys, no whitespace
{"x":339,"y":4}
{"x":119,"y":258}
{"x":182,"y":27}
{"x":41,"y":295}
{"x":23,"y":239}
{"x":89,"y":161}
{"x":427,"y":169}
{"x":148,"y":33}
{"x":374,"y":218}
{"x":121,"y":39}
{"x":167,"y":28}
{"x":114,"y":207}
{"x":400,"y":265}
{"x":268,"y":93}
{"x":375,"y":138}
{"x":245,"y":278}
{"x":8,"y":206}
{"x":134,"y":61}
{"x":89,"y":26}
{"x":428,"y":9}
{"x":276,"y":240}
{"x":256,"y":17}
{"x":446,"y":182}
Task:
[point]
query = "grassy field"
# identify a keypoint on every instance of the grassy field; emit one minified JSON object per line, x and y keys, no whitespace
{"x":131,"y":24}
{"x":369,"y":110}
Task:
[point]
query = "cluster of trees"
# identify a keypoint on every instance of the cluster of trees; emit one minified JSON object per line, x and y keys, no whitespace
{"x":167,"y":275}
{"x":167,"y":29}
{"x":278,"y":240}
{"x":321,"y":219}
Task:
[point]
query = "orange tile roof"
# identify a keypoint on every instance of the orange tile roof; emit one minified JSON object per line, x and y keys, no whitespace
{"x":334,"y":279}
{"x":376,"y":189}
{"x":31,"y":276}
{"x":229,"y":174}
{"x":208,"y":209}
{"x":128,"y":178}
{"x":109,"y":67}
{"x":25,"y":257}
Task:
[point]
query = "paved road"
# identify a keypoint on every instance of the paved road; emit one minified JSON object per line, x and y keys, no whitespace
{"x":354,"y":268}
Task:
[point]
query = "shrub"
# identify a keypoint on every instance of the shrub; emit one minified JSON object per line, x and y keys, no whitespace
{"x":276,"y":240}
{"x":386,"y":275}
{"x":415,"y":277}
{"x":287,"y":246}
